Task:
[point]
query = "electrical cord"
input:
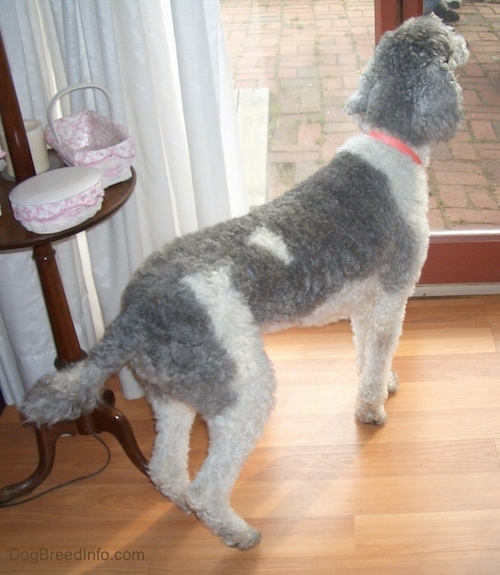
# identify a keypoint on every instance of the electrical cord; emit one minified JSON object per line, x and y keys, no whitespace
{"x":65,"y":483}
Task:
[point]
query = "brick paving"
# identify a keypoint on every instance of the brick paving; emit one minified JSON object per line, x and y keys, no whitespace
{"x":309,"y":54}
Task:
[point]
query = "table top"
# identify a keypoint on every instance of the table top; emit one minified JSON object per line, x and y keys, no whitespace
{"x":14,"y":236}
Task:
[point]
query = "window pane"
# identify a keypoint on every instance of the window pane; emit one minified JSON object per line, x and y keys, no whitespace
{"x":306,"y":56}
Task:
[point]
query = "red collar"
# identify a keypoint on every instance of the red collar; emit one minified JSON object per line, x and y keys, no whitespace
{"x":396,"y":144}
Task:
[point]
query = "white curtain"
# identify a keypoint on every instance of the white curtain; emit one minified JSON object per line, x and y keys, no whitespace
{"x":165,"y":64}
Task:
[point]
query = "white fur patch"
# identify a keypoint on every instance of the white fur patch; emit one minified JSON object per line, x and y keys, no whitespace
{"x":272,"y":243}
{"x":340,"y":306}
{"x":232,"y":320}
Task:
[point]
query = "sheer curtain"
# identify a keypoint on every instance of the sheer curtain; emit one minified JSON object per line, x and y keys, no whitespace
{"x":165,"y":64}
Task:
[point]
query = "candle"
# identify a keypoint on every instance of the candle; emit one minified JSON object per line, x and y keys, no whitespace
{"x":38,"y":148}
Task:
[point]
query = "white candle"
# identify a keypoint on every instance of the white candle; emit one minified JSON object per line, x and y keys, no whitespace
{"x":38,"y":148}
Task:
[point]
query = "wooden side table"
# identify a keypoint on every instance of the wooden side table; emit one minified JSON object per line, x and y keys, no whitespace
{"x":106,"y":417}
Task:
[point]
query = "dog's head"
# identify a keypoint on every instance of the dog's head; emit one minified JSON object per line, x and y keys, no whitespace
{"x":409,"y":88}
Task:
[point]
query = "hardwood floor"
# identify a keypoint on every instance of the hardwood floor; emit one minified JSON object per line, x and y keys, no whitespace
{"x":418,"y":496}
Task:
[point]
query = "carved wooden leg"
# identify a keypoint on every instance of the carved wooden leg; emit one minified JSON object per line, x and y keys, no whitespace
{"x":107,"y":418}
{"x":46,"y":439}
{"x":104,"y":418}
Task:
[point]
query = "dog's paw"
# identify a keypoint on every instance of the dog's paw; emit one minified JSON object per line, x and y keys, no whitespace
{"x":217,"y":515}
{"x":393,"y":383}
{"x":242,"y":540}
{"x":371,"y":414}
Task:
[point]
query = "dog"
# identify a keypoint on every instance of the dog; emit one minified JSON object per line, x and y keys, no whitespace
{"x":347,"y":243}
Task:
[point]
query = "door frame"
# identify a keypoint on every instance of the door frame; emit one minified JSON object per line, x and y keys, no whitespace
{"x":454,"y":257}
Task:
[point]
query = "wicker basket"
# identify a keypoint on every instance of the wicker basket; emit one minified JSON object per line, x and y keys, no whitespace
{"x":89,"y":139}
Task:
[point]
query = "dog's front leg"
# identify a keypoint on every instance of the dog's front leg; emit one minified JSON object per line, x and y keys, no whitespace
{"x":376,"y":336}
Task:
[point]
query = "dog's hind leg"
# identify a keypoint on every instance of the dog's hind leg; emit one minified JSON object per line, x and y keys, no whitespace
{"x":235,"y":428}
{"x":233,"y":434}
{"x":168,"y":467}
{"x":376,"y":335}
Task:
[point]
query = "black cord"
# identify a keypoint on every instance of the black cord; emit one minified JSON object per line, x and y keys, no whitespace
{"x":66,"y":483}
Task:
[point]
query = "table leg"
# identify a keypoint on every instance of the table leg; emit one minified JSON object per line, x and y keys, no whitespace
{"x":65,"y":338}
{"x":104,"y":418}
{"x":107,"y":418}
{"x":46,"y":442}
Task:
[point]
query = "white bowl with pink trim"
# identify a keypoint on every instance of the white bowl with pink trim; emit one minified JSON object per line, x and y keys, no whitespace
{"x":58,"y":200}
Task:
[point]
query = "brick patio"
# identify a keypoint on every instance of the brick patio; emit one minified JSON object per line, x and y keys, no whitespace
{"x":309,"y":54}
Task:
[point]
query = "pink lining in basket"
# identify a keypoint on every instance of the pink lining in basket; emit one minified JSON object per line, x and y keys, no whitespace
{"x":86,"y":138}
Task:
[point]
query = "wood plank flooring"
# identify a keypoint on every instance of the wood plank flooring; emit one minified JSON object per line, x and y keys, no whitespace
{"x":418,"y":496}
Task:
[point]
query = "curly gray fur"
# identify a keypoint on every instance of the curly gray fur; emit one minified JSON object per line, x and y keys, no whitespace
{"x":406,"y":87}
{"x":349,"y":242}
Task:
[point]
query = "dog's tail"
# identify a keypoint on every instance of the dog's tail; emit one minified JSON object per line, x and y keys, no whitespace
{"x":75,"y":391}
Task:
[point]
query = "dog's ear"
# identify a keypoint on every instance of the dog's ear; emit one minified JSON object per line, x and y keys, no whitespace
{"x":408,"y":88}
{"x":438,"y":105}
{"x":438,"y":111}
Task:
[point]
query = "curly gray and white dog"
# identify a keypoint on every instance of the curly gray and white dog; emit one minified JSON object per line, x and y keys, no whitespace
{"x":349,"y":242}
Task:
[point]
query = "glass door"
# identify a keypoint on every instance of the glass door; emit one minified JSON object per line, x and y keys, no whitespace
{"x":464,"y":174}
{"x":295,"y":63}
